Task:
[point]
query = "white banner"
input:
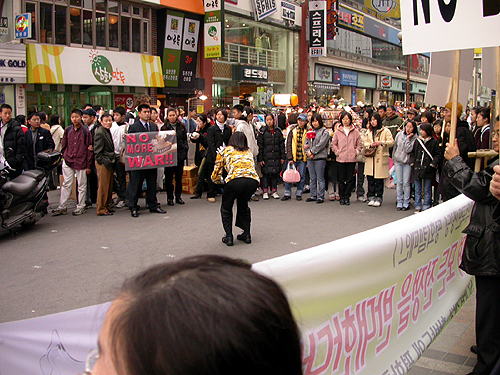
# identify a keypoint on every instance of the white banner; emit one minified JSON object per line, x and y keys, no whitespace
{"x":441,"y":77}
{"x":489,"y":67}
{"x":432,"y":26}
{"x":366,"y":304}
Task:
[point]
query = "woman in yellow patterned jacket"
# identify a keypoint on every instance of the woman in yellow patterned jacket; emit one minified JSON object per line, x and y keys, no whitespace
{"x":241,"y":182}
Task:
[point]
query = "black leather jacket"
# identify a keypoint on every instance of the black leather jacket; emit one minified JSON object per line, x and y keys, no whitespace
{"x":481,"y":255}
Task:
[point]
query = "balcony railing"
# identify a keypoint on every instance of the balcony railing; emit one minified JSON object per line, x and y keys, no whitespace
{"x":252,"y":55}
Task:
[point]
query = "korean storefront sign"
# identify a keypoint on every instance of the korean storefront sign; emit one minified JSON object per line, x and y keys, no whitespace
{"x":323,"y":73}
{"x":4,"y":25}
{"x":332,"y":11}
{"x":250,"y":73}
{"x":23,"y":26}
{"x":181,"y":50}
{"x":351,"y":19}
{"x":12,"y":63}
{"x":288,"y":12}
{"x":317,"y":28}
{"x":125,"y":101}
{"x":264,"y":8}
{"x":348,"y":77}
{"x":75,"y":66}
{"x":385,"y":82}
{"x":214,"y":29}
{"x":388,"y":8}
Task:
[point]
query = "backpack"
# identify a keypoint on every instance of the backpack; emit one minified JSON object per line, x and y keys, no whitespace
{"x":85,"y":132}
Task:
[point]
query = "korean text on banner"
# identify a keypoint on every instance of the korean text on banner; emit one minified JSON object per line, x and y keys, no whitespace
{"x":150,"y":150}
{"x":317,"y":28}
{"x":214,"y":29}
{"x":420,"y":18}
{"x":371,"y":303}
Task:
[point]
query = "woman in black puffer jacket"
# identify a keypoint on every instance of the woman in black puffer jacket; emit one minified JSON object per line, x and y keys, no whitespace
{"x":271,"y":155}
{"x":481,"y":256}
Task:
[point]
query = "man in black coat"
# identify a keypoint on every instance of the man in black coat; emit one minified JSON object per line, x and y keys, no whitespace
{"x":37,"y":138}
{"x":142,"y":125}
{"x":12,"y":139}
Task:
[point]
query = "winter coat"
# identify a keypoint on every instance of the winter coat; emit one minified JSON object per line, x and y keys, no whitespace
{"x":319,"y":145}
{"x":291,"y":143}
{"x":14,"y":139}
{"x":104,"y":148}
{"x":394,"y":124}
{"x":347,"y":147}
{"x":403,"y":147}
{"x":249,"y":131}
{"x":43,"y":142}
{"x":378,"y":165}
{"x":271,"y":150}
{"x":201,"y":145}
{"x":481,"y":255}
{"x":215,"y":139}
{"x":182,"y":142}
{"x":57,"y":132}
{"x":423,"y":166}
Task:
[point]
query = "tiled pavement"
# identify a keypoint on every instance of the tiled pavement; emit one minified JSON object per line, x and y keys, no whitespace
{"x":450,"y":352}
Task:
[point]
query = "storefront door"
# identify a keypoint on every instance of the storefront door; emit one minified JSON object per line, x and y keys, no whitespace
{"x":103,"y":98}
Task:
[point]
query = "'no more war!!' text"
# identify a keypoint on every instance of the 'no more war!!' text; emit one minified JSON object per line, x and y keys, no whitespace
{"x":145,"y":151}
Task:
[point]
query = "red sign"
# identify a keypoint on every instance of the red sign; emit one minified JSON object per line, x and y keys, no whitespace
{"x":124,"y":100}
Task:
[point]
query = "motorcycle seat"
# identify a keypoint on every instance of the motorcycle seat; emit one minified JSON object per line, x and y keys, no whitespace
{"x":21,"y":185}
{"x":35,"y":173}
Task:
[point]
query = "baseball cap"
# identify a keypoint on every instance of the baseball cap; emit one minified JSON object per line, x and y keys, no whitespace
{"x":302,"y":117}
{"x":90,"y":112}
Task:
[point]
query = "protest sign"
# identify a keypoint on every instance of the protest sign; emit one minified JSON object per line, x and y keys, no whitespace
{"x":150,"y":150}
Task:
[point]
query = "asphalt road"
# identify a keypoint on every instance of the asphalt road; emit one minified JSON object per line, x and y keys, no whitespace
{"x":68,"y":262}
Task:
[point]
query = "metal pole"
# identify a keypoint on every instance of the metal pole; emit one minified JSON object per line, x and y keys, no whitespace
{"x":408,"y":57}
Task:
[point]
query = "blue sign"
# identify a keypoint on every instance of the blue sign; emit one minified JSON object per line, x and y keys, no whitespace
{"x":2,"y":98}
{"x":336,"y":76}
{"x":348,"y":78}
{"x":23,"y":26}
{"x":353,"y":96}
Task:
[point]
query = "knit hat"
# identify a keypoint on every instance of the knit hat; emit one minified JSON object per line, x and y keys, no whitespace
{"x":302,"y":117}
{"x":460,"y":108}
{"x":90,"y":112}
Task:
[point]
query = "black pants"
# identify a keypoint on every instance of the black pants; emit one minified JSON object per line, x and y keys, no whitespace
{"x":121,"y":178}
{"x":135,"y":188}
{"x":346,"y":179}
{"x":202,"y":175}
{"x":360,"y":190}
{"x":213,"y":189}
{"x":169,"y":174}
{"x":239,"y":189}
{"x":375,"y":187}
{"x":487,"y":323}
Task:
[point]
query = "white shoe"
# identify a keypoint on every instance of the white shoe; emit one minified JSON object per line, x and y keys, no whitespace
{"x":275,"y":195}
{"x":376,"y":204}
{"x":211,"y":200}
{"x":265,"y":196}
{"x":361,"y":198}
{"x":371,"y":202}
{"x":259,"y":191}
{"x":120,"y":204}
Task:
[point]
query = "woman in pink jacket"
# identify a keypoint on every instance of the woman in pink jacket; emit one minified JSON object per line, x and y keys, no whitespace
{"x":346,"y":145}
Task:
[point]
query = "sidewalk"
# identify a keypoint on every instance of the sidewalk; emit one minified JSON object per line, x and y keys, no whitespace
{"x":449,"y":353}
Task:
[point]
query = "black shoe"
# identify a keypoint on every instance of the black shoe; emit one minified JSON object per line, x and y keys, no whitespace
{"x":246,"y":238}
{"x":286,"y":197}
{"x":406,"y":208}
{"x":311,"y":199}
{"x":170,"y":202}
{"x":342,"y":202}
{"x":319,"y":201}
{"x":400,"y":208}
{"x":179,"y":201}
{"x":196,"y":196}
{"x":228,"y":240}
{"x":158,"y":210}
{"x":473,"y":349}
{"x":347,"y":202}
{"x":134,"y":213}
{"x":299,"y":198}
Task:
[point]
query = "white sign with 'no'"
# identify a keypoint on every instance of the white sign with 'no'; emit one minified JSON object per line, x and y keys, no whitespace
{"x":444,"y":25}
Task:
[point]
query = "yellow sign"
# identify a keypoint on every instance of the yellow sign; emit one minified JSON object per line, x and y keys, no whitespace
{"x":213,"y":51}
{"x":200,"y":108}
{"x":387,"y":8}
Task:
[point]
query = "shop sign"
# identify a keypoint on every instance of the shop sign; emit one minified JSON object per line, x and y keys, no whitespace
{"x":12,"y":63}
{"x":389,"y":8}
{"x":4,"y":25}
{"x":386,"y":82}
{"x":214,"y":29}
{"x":317,"y":28}
{"x":348,"y":78}
{"x":125,"y":101}
{"x":75,"y":66}
{"x":2,"y":98}
{"x":263,"y":8}
{"x":332,"y":8}
{"x":249,"y":73}
{"x":354,"y":97}
{"x":327,"y":86}
{"x":288,"y":11}
{"x":352,"y":19}
{"x":23,"y":26}
{"x":323,"y":73}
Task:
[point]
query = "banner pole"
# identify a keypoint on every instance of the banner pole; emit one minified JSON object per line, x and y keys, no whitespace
{"x":454,"y":97}
{"x":497,"y":98}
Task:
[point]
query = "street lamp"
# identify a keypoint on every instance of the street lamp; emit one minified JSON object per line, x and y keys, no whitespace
{"x":201,"y":97}
{"x":407,"y":61}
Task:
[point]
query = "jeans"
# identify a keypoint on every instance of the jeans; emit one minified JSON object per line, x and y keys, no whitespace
{"x":360,"y":190}
{"x":427,"y":186}
{"x":301,"y":167}
{"x":403,"y":187}
{"x":265,"y":182}
{"x":317,"y":173}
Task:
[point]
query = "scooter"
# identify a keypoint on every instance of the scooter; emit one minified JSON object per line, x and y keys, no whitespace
{"x":23,"y":200}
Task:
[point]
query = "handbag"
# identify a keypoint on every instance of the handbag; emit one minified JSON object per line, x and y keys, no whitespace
{"x":291,"y":175}
{"x":370,"y":151}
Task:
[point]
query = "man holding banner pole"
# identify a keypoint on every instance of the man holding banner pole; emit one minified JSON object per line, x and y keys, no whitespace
{"x":142,"y":125}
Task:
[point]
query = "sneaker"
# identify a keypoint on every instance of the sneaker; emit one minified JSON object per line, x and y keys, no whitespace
{"x":79,"y":211}
{"x":371,"y":202}
{"x":332,"y":197}
{"x":376,"y":203}
{"x":59,"y":211}
{"x":120,"y":204}
{"x":361,"y":198}
{"x":275,"y":195}
{"x":417,"y":210}
{"x":211,"y":200}
{"x":286,"y":197}
{"x":337,"y":197}
{"x":254,"y":198}
{"x":265,"y":196}
{"x":259,"y":191}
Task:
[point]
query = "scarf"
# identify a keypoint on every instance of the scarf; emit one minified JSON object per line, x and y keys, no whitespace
{"x":220,"y":125}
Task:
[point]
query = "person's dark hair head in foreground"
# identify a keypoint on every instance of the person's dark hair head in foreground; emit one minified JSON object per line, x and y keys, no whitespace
{"x":205,"y":314}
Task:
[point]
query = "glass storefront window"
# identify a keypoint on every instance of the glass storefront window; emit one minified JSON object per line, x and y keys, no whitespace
{"x":60,"y":24}
{"x":125,"y":34}
{"x":31,"y":8}
{"x":113,"y":31}
{"x":136,"y":35}
{"x":87,"y":27}
{"x":100,"y":22}
{"x":45,"y":23}
{"x":75,"y":16}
